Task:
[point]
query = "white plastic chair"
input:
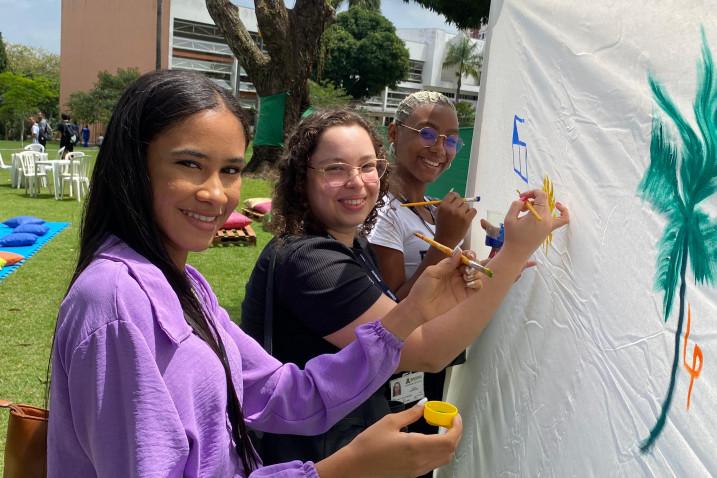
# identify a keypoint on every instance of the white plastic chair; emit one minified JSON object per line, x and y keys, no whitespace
{"x":32,"y":176}
{"x":61,"y":153}
{"x":5,"y":166}
{"x":37,"y":147}
{"x":76,"y":174}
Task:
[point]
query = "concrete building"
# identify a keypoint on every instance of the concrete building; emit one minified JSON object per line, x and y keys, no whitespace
{"x":101,"y":35}
{"x":427,"y":50}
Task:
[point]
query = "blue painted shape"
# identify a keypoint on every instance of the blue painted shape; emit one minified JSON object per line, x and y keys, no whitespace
{"x":520,"y":151}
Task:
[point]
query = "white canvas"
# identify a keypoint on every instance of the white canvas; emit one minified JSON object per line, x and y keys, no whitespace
{"x":571,"y":375}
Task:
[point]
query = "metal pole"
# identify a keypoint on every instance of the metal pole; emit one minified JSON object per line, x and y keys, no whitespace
{"x":158,"y":62}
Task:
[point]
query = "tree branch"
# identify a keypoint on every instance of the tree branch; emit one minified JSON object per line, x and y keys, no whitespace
{"x":226,"y":16}
{"x":273,"y":18}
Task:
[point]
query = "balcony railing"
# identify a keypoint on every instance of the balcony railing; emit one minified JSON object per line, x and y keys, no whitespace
{"x":201,"y":46}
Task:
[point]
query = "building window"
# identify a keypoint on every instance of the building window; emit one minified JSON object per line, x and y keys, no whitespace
{"x":415,"y":71}
{"x":468,"y":97}
{"x":202,"y":46}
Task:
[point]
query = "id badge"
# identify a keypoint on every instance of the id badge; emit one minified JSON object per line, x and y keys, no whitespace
{"x":407,"y":388}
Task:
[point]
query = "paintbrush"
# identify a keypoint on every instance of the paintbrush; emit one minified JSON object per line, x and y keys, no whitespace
{"x":437,"y":201}
{"x":449,"y":252}
{"x":530,"y":207}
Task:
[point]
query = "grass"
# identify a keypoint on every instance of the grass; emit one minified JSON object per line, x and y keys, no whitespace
{"x":30,"y":297}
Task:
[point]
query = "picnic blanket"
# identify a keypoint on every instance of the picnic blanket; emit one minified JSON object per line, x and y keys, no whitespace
{"x":28,"y":251}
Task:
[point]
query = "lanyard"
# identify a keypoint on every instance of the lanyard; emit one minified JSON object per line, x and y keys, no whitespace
{"x":369,"y":266}
{"x":367,"y":263}
{"x":429,"y":209}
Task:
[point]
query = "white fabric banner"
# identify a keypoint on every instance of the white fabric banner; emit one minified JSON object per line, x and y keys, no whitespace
{"x":572,"y":375}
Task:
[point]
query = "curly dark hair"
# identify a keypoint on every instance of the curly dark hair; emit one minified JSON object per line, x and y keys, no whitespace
{"x":291,"y":213}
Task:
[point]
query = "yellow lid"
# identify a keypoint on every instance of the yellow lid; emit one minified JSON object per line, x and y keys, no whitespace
{"x":439,"y":414}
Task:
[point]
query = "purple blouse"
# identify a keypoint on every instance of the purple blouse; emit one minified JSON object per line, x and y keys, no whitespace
{"x":136,"y":393}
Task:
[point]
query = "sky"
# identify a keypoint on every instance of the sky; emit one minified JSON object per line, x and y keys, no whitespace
{"x":37,"y":22}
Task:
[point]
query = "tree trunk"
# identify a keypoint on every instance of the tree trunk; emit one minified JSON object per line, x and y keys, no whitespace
{"x":458,"y":87}
{"x":660,"y":424}
{"x":292,"y":39}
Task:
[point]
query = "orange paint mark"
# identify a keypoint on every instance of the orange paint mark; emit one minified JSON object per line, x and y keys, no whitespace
{"x":695,"y":369}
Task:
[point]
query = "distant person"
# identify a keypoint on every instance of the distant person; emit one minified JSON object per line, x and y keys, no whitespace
{"x":85,"y":136}
{"x":35,"y":130}
{"x":45,"y":132}
{"x":68,"y":134}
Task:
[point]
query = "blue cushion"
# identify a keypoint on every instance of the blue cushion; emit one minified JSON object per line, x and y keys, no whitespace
{"x":37,"y":229}
{"x":17,"y":239}
{"x":20,"y":220}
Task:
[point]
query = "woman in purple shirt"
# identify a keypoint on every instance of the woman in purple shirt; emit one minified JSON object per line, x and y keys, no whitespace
{"x":150,"y":377}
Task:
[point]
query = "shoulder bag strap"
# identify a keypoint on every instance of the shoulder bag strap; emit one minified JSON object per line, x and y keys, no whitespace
{"x":269,"y":305}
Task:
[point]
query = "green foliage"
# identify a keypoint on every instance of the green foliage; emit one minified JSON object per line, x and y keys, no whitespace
{"x":34,"y":63}
{"x":462,"y":13}
{"x":368,"y":4}
{"x":327,"y":95}
{"x":21,"y":97}
{"x":678,"y":179}
{"x":84,"y":107}
{"x":98,"y":103}
{"x":363,"y":54}
{"x":3,"y":55}
{"x":466,"y":113}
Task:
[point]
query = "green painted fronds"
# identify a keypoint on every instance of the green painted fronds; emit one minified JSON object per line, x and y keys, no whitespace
{"x":669,"y":261}
{"x":659,"y":185}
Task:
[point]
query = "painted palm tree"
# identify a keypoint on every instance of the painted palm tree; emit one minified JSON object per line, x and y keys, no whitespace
{"x":463,"y":54}
{"x":678,"y":179}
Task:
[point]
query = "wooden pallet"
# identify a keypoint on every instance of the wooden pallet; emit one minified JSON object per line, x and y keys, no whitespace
{"x":252,"y":213}
{"x":235,"y":237}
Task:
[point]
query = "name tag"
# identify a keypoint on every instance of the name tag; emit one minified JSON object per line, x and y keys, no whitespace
{"x":407,"y":388}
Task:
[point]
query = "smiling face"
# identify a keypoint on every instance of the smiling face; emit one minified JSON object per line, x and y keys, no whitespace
{"x":194,"y":169}
{"x":415,"y":161}
{"x":341,"y":209}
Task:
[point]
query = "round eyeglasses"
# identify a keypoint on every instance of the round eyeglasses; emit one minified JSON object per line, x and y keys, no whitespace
{"x":452,"y":143}
{"x":338,"y":174}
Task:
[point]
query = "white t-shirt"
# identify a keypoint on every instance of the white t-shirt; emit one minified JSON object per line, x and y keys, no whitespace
{"x":35,"y":132}
{"x":395,"y":228}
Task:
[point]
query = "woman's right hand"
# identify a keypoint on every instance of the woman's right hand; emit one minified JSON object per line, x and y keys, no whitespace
{"x":383,"y":450}
{"x":453,"y":218}
{"x":525,"y":233}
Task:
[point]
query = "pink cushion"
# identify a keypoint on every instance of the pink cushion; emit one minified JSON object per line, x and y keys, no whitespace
{"x":263,"y":208}
{"x":236,"y":221}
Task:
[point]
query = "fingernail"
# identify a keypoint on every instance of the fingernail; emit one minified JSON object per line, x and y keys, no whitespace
{"x":422,"y":402}
{"x":451,"y":190}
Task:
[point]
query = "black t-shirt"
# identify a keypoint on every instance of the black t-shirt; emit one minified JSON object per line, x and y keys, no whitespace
{"x":320,"y":286}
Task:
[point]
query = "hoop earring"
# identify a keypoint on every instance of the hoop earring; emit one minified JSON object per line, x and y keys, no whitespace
{"x":449,"y":166}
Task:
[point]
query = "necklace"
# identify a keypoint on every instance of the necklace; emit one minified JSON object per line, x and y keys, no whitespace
{"x":403,"y":199}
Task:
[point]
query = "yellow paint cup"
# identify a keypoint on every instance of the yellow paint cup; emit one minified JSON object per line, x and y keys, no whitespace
{"x":439,"y":414}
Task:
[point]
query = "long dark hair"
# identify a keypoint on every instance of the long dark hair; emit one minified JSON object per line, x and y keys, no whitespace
{"x":120,"y":200}
{"x":290,"y":212}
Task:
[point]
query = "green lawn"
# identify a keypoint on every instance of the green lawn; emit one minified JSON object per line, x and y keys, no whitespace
{"x":30,"y":296}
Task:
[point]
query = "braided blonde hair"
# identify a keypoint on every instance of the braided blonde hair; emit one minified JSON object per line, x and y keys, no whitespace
{"x":408,"y":105}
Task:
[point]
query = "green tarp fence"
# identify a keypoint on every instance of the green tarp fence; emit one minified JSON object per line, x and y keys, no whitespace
{"x":270,"y":121}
